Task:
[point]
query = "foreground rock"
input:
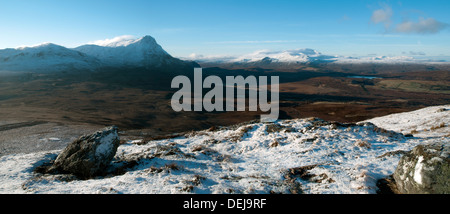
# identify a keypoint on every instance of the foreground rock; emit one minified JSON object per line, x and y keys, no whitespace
{"x":89,"y":155}
{"x":424,"y":170}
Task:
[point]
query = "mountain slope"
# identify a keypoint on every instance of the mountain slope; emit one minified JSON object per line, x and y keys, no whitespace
{"x":289,"y":156}
{"x":427,"y":122}
{"x":46,"y":57}
{"x":142,"y":52}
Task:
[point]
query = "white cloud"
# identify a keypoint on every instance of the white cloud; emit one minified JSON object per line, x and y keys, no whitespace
{"x":116,"y":41}
{"x":344,"y":18}
{"x":423,"y":26}
{"x":415,"y":53}
{"x":383,"y":15}
{"x":254,"y":42}
{"x":209,"y":58}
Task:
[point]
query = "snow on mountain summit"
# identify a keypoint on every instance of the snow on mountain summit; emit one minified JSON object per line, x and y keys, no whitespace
{"x":306,"y":55}
{"x":115,"y":42}
{"x":265,"y":57}
{"x":297,"y":55}
{"x":124,"y":41}
{"x":125,"y":51}
{"x":120,"y":51}
{"x":46,"y":57}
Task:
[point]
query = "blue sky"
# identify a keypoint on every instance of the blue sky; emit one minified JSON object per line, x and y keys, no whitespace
{"x":229,"y":27}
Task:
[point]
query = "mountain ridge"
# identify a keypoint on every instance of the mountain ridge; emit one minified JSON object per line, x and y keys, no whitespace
{"x":303,"y":56}
{"x":46,"y":57}
{"x":143,"y":52}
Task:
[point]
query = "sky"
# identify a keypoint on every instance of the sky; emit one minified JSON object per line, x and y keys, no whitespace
{"x":232,"y":27}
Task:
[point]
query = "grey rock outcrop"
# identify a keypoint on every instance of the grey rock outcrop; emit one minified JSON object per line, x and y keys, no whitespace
{"x":424,"y":170}
{"x":89,"y":155}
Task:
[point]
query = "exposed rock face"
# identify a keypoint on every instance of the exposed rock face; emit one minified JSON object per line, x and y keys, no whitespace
{"x":425,"y":170}
{"x":89,"y":155}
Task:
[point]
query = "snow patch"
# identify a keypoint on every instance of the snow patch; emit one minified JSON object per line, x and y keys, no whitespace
{"x":105,"y":145}
{"x":431,"y":121}
{"x":418,"y":171}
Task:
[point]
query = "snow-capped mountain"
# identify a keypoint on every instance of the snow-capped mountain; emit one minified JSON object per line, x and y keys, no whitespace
{"x":381,"y":59}
{"x":142,"y":52}
{"x":46,"y":57}
{"x":266,"y":57}
{"x":288,"y":56}
{"x":303,"y":56}
{"x":288,"y":156}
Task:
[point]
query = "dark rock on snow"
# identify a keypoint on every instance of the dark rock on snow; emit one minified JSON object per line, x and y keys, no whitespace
{"x":89,"y":155}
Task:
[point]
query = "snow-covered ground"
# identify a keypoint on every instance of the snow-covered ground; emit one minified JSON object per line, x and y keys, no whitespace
{"x":289,"y":156}
{"x":427,"y":122}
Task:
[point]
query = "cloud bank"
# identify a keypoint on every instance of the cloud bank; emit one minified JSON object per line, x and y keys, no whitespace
{"x":383,"y":15}
{"x":114,"y":42}
{"x":421,"y":26}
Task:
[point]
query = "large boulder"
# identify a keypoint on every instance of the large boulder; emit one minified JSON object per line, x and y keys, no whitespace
{"x":424,"y":170}
{"x":89,"y":155}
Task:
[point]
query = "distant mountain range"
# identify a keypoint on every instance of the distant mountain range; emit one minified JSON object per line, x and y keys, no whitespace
{"x":144,"y":52}
{"x":301,"y":56}
{"x":266,"y":57}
